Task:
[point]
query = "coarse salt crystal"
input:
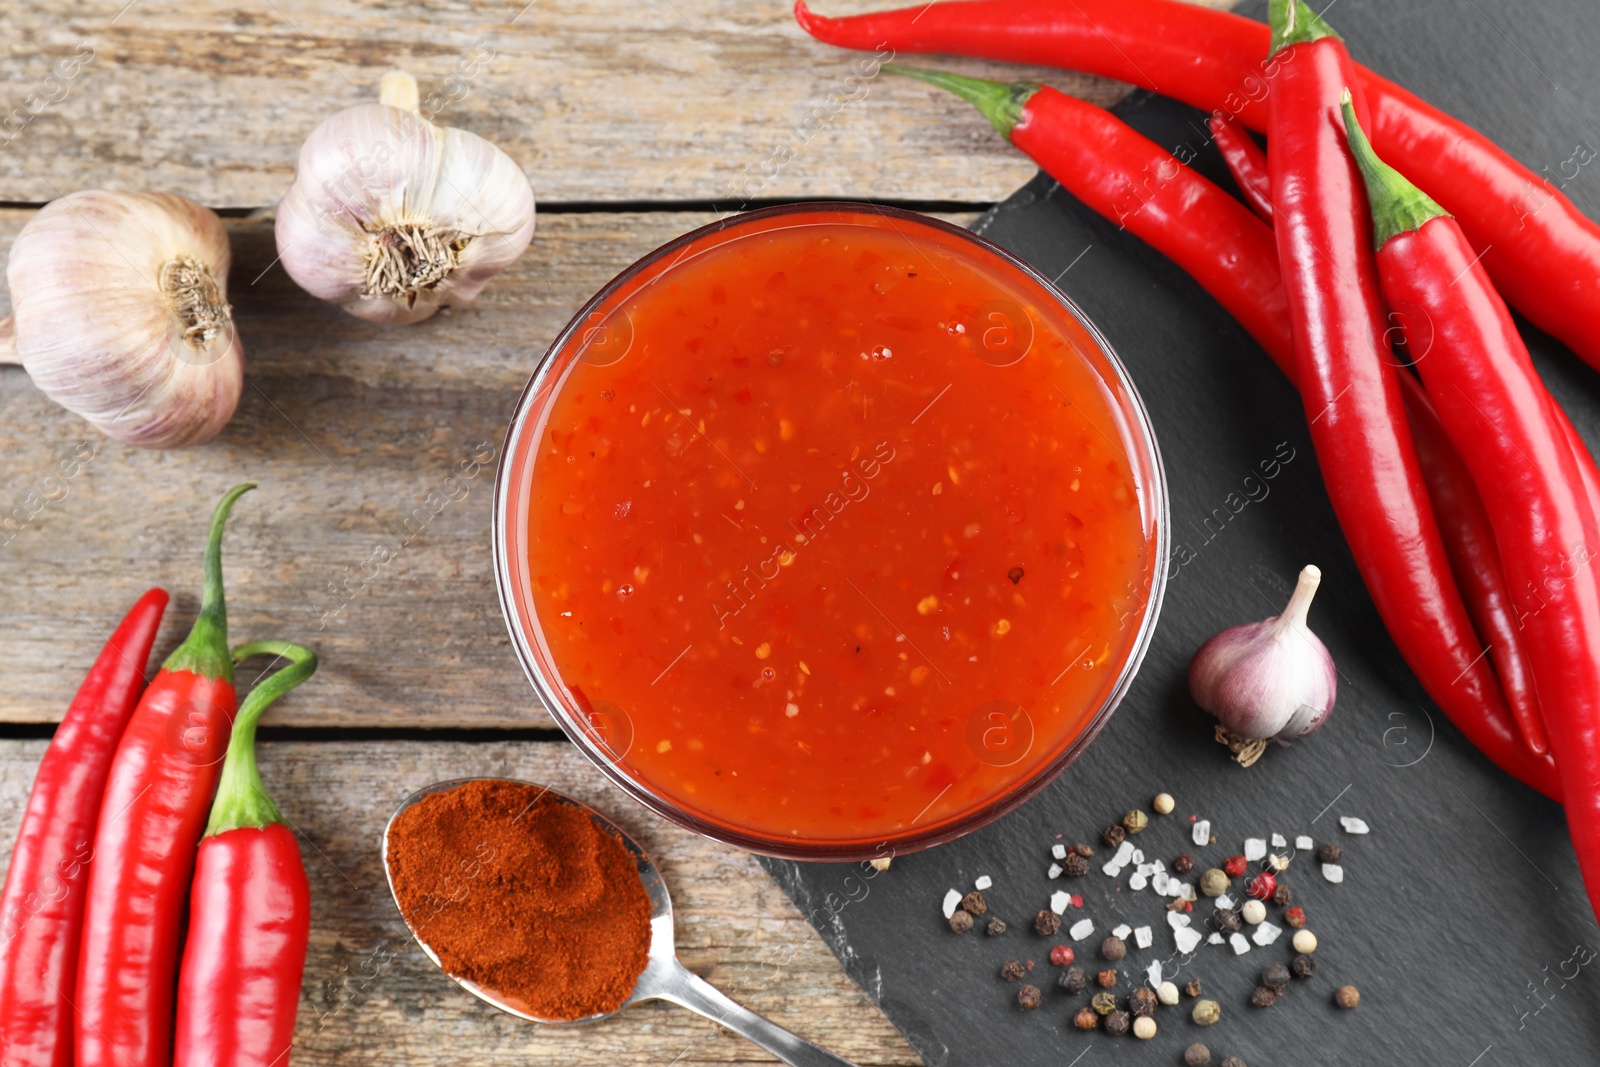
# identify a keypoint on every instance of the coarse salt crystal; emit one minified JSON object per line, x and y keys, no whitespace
{"x":1081,"y":929}
{"x":1138,"y":857}
{"x":1124,"y":854}
{"x":983,"y":882}
{"x":1255,"y":848}
{"x":1055,"y":870}
{"x":1187,"y":891}
{"x":1112,"y":869}
{"x":1214,"y":939}
{"x":1333,"y":872}
{"x":1154,"y":973}
{"x":1122,"y":931}
{"x":1160,"y":881}
{"x":1174,"y":888}
{"x":1240,"y":944}
{"x":1224,"y":901}
{"x":1266,"y":934}
{"x":1187,"y":939}
{"x":1201,"y":834}
{"x":1279,"y":841}
{"x":1177,"y":920}
{"x":1158,"y":865}
{"x":1059,"y":852}
{"x":1302,"y":842}
{"x":1059,"y":902}
{"x":1146,"y":869}
{"x":952,"y":901}
{"x":1352,"y":825}
{"x":1143,"y":937}
{"x":1137,"y":881}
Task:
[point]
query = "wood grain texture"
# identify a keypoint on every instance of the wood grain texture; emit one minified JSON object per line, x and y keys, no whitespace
{"x":371,"y":997}
{"x":610,"y":100}
{"x":354,"y":432}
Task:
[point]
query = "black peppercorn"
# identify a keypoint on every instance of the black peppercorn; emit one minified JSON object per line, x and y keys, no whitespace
{"x":1083,"y":850}
{"x":1086,"y":1019}
{"x":1347,"y":996}
{"x":1117,"y":1023}
{"x":1103,"y":1003}
{"x":1183,"y":865}
{"x":1073,"y":980}
{"x":974,"y":903}
{"x":1114,"y":835}
{"x":996,"y":927}
{"x":1275,"y":976}
{"x":1028,"y":997}
{"x":1046,"y":923}
{"x":1107,"y":978}
{"x":1192,"y":988}
{"x":1330,"y":853}
{"x":1303,"y":967}
{"x":1113,"y":948}
{"x":960,"y":921}
{"x":1263,"y":997}
{"x":1196,"y":1055}
{"x":1142,"y":1001}
{"x":1074,"y":866}
{"x":1012,"y":970}
{"x":1228,"y":921}
{"x":1282,"y":896}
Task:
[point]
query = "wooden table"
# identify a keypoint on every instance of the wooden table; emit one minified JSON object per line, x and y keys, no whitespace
{"x":635,"y":122}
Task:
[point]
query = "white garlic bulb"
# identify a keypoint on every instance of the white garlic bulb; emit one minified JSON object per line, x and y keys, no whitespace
{"x":120,"y":314}
{"x":392,"y":217}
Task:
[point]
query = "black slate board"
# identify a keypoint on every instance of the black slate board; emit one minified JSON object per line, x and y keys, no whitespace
{"x":1462,"y":917}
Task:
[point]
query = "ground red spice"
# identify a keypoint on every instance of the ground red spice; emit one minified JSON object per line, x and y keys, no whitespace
{"x":524,"y":895}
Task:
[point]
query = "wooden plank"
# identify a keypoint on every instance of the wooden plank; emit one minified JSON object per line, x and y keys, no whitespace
{"x":352,"y":431}
{"x":371,"y":996}
{"x":596,"y":99}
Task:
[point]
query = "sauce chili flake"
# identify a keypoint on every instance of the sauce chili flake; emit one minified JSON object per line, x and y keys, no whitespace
{"x":847,"y":538}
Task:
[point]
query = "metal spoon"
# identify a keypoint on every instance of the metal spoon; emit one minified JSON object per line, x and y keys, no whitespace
{"x":664,"y":977}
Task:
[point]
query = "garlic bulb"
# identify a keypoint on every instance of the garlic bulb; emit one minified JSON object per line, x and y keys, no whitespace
{"x":1264,"y":681}
{"x":120,"y":314}
{"x":392,"y":217}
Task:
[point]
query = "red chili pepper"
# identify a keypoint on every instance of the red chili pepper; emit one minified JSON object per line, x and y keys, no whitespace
{"x":41,"y":911}
{"x":1506,"y":426}
{"x":151,"y":819}
{"x":1541,"y":251}
{"x":250,"y":905}
{"x":1246,"y":161}
{"x":1136,"y":183}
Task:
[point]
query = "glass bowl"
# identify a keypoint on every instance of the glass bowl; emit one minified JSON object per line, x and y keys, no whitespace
{"x":854,"y":801}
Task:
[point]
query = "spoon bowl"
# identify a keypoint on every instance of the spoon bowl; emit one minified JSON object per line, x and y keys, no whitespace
{"x":664,"y":977}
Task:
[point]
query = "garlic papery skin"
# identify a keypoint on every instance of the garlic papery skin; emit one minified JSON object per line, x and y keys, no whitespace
{"x":1264,"y":681}
{"x":392,"y":217}
{"x":120,"y":314}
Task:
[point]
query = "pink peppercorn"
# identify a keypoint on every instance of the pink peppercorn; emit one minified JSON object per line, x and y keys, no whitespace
{"x":1062,"y":955}
{"x":1235,"y":866}
{"x":1262,"y":886}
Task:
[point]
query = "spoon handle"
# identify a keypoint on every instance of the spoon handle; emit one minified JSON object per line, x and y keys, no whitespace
{"x":693,"y":992}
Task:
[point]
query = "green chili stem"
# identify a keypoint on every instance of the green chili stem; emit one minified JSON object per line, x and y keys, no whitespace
{"x":242,"y":800}
{"x":205,"y":650}
{"x":1000,"y":102}
{"x":1293,"y":22}
{"x":1397,"y":205}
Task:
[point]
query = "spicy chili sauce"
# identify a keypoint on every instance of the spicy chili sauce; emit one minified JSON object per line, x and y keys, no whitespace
{"x":833,"y":531}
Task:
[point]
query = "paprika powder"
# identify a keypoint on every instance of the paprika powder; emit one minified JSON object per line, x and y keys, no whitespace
{"x":523,"y":894}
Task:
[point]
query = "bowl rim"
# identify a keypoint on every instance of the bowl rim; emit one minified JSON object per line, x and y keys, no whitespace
{"x":1153,"y":488}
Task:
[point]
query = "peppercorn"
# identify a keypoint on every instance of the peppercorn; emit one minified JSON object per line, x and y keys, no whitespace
{"x":1062,"y":955}
{"x":1117,"y":1023}
{"x":1282,"y":896}
{"x":1330,"y":853}
{"x":1103,"y":1003}
{"x":1262,"y":886}
{"x":1213,"y":883}
{"x":1167,"y":993}
{"x":1183,"y":864}
{"x":1233,"y":1061}
{"x":1113,"y":948}
{"x":1196,"y":1055}
{"x":1303,"y":967}
{"x":1135,"y":821}
{"x":1206,"y":1012}
{"x":1163,"y":804}
{"x":1254,"y":912}
{"x":1191,"y":988}
{"x":1305,"y":942}
{"x":974,"y":903}
{"x":1275,"y":976}
{"x":1046,"y":923}
{"x":1235,"y":866}
{"x":960,"y":921}
{"x":1347,"y":996}
{"x":1263,"y":997}
{"x":1074,"y":865}
{"x":1114,"y":835}
{"x":1013,"y":970}
{"x":1228,"y":921}
{"x":1107,"y":978}
{"x":1086,"y":1019}
{"x":1295,"y":917}
{"x":1073,"y":980}
{"x":1142,"y":1001}
{"x":1028,"y":997}
{"x":1085,"y":851}
{"x":1144,"y":1027}
{"x":996,"y":927}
